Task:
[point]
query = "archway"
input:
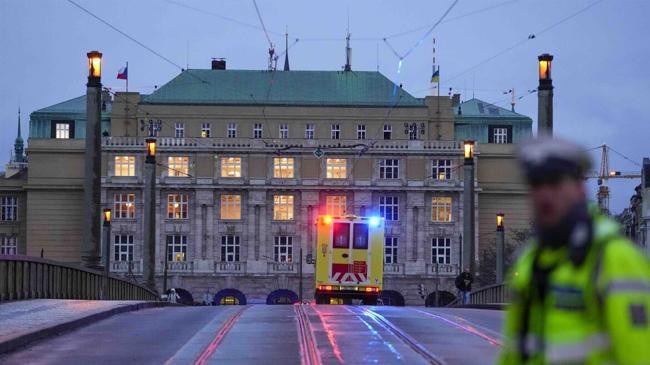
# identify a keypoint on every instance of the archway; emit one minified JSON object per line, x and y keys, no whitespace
{"x":282,"y":296}
{"x":445,"y":298}
{"x":184,"y":297}
{"x":392,"y":297}
{"x":229,"y":297}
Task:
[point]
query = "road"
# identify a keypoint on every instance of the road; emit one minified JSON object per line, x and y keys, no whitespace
{"x":291,"y":334}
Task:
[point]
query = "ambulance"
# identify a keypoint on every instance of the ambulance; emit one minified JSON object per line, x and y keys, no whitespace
{"x":349,"y":259}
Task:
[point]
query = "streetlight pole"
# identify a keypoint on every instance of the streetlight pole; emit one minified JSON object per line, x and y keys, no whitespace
{"x":468,"y":208}
{"x":91,"y":235}
{"x":300,"y":276}
{"x":107,"y":252}
{"x":165,"y":267}
{"x":149,"y":249}
{"x":500,"y":246}
{"x":545,"y":96}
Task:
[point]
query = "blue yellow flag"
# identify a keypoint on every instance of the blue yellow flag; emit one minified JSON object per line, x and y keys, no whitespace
{"x":436,"y":75}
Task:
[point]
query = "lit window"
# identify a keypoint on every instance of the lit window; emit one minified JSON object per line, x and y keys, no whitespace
{"x":176,"y":247}
{"x":123,"y":247}
{"x":336,"y":205}
{"x":230,"y":207}
{"x":283,"y":207}
{"x":230,"y":167}
{"x":309,"y":131}
{"x":388,"y":131}
{"x":336,"y":131}
{"x":390,"y":250}
{"x":388,"y":169}
{"x":124,"y":165}
{"x":283,"y":167}
{"x":283,"y":249}
{"x":441,"y":209}
{"x":124,"y":206}
{"x":230,"y":248}
{"x":179,"y":130}
{"x":178,"y":166}
{"x":284,"y":131}
{"x":441,"y":170}
{"x":336,"y":168}
{"x":257,"y":130}
{"x":205,"y":130}
{"x":8,"y":245}
{"x":440,"y":250}
{"x":389,"y":208}
{"x":232,"y":130}
{"x":361,"y":131}
{"x":8,"y":208}
{"x":62,"y":130}
{"x":177,"y":206}
{"x":501,"y":135}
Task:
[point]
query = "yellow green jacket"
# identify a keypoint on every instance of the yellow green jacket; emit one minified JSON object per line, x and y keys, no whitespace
{"x":594,"y":313}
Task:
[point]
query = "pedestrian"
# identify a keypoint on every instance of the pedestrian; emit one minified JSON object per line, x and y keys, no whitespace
{"x":464,"y":285}
{"x":173,"y":296}
{"x":580,"y":290}
{"x":206,"y":298}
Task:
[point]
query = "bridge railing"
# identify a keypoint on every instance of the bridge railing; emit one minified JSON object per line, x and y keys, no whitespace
{"x":496,"y":295}
{"x":26,"y":277}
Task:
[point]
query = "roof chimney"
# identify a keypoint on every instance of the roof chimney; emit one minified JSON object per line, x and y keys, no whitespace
{"x":455,"y":100}
{"x":218,"y":63}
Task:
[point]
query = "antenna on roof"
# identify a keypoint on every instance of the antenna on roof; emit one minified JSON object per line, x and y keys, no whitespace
{"x":286,"y":49}
{"x":348,"y":50}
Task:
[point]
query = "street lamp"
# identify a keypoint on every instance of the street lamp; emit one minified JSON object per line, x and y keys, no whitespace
{"x":151,"y":150}
{"x":107,"y":250}
{"x":94,"y":67}
{"x":468,"y":207}
{"x":500,"y":221}
{"x":500,"y":245}
{"x":545,"y":96}
{"x":545,"y":62}
{"x":149,"y":219}
{"x":468,"y":151}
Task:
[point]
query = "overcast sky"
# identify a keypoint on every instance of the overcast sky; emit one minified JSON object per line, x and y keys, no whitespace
{"x":601,"y":84}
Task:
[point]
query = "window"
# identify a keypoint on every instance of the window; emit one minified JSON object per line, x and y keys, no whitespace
{"x":412,"y":130}
{"x":283,"y":167}
{"x":230,"y":248}
{"x":390,"y":250}
{"x":176,"y":247}
{"x":389,"y":169}
{"x":360,"y":236}
{"x":8,"y":208}
{"x":283,"y":207}
{"x":205,"y":130}
{"x":124,"y":206}
{"x":257,"y":130}
{"x":441,"y":170}
{"x":284,"y":131}
{"x":177,"y":206}
{"x":335,"y":205}
{"x":179,"y":130}
{"x":63,"y":130}
{"x":283,"y":249}
{"x":230,"y":167}
{"x":389,"y":207}
{"x":123,"y":247}
{"x":500,"y":135}
{"x":336,"y":131}
{"x":309,"y":131}
{"x":178,"y":166}
{"x":8,"y":245}
{"x":124,"y":165}
{"x":440,"y":250}
{"x":441,"y":209}
{"x":232,"y":130}
{"x":388,"y":131}
{"x":230,"y":206}
{"x":361,"y":131}
{"x":336,"y":168}
{"x":341,"y":235}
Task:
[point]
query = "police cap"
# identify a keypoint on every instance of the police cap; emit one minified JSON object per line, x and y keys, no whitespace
{"x":549,"y":160}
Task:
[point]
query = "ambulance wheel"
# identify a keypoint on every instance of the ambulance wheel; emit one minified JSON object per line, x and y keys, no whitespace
{"x":321,"y":299}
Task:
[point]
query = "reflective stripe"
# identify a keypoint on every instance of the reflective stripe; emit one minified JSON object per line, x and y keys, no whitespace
{"x":616,"y":286}
{"x":533,"y":344}
{"x":576,"y":352}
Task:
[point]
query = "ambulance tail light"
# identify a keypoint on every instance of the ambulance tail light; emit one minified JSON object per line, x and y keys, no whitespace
{"x":325,"y":287}
{"x":371,"y":289}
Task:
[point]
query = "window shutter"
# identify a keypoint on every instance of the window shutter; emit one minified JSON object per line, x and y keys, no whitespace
{"x":490,"y":134}
{"x":71,"y":125}
{"x":53,"y":129}
{"x":509,"y":133}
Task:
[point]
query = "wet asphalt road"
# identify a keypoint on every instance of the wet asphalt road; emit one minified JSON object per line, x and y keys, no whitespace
{"x":261,"y":334}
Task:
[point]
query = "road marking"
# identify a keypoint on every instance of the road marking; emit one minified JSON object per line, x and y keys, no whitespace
{"x":469,"y":328}
{"x":218,"y":338}
{"x":309,"y":354}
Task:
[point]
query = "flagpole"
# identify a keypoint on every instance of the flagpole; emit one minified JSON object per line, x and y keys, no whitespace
{"x":127,"y":76}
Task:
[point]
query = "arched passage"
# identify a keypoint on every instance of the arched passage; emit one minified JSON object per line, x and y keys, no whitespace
{"x":184,"y":297}
{"x":391,"y":297}
{"x":229,"y":297}
{"x":445,"y":298}
{"x":282,"y":296}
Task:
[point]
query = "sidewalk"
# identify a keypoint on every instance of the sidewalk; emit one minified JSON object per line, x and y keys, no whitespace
{"x":23,"y":322}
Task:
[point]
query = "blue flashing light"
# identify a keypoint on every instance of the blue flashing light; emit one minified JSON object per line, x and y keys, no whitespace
{"x":374,"y":221}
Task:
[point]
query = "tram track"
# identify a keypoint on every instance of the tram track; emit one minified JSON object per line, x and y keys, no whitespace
{"x":309,"y":354}
{"x":205,"y":355}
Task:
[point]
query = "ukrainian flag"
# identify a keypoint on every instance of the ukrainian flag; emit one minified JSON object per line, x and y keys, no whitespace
{"x":436,"y":75}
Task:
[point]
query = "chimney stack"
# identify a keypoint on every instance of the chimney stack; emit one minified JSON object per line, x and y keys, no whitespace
{"x":218,"y":63}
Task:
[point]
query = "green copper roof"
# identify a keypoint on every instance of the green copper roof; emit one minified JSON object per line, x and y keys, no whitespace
{"x":75,"y":105}
{"x":479,"y":108}
{"x":250,"y":87}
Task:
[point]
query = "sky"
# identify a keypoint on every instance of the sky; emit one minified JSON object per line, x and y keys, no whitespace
{"x":600,"y":70}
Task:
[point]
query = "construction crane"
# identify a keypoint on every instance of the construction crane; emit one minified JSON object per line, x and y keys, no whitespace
{"x":602,"y":195}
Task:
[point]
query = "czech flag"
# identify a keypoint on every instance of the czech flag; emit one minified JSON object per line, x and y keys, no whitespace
{"x":123,"y":73}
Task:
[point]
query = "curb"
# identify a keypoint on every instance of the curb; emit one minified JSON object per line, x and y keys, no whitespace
{"x":28,"y":338}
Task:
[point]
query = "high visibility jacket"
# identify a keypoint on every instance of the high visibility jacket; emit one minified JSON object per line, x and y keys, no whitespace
{"x":594,"y":313}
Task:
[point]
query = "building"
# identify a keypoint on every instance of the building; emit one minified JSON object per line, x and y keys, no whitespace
{"x":635,"y":219}
{"x":248,"y":159}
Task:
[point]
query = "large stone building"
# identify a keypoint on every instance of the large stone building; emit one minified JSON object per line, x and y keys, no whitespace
{"x":248,"y":159}
{"x":635,"y":219}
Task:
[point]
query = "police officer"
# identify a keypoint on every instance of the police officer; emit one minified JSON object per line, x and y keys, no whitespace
{"x":581,"y":291}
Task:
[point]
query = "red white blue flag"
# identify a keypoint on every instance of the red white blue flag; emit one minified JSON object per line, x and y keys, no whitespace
{"x":123,"y":73}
